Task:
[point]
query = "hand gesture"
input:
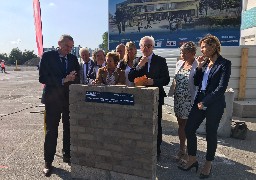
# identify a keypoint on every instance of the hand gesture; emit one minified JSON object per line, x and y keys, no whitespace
{"x":201,"y":61}
{"x":143,"y":61}
{"x":70,"y":77}
{"x":201,"y":106}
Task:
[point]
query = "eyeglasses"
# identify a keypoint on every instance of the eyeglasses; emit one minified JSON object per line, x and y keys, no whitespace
{"x":146,"y":45}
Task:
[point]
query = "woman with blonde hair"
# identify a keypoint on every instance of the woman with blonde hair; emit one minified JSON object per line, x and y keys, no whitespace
{"x":111,"y":74}
{"x":127,"y":62}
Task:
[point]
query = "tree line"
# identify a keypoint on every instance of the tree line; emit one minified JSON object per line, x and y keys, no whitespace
{"x":22,"y":57}
{"x":17,"y":54}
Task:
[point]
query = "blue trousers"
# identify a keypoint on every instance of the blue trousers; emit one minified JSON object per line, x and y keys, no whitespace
{"x":213,"y":116}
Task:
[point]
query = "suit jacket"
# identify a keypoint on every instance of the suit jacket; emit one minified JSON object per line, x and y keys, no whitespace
{"x":93,"y":72}
{"x":51,"y":73}
{"x":82,"y":79}
{"x":158,"y":71}
{"x":103,"y":72}
{"x":217,"y":81}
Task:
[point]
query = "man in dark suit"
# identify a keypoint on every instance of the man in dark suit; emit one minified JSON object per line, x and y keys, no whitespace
{"x":85,"y":66}
{"x":58,"y":69}
{"x":156,"y":70}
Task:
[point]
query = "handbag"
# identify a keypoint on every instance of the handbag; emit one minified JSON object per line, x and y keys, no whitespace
{"x":239,"y":130}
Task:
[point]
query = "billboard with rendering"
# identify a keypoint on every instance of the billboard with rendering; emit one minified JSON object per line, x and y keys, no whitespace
{"x":173,"y":22}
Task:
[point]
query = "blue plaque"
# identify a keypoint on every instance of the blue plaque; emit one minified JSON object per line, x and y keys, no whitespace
{"x":109,"y":97}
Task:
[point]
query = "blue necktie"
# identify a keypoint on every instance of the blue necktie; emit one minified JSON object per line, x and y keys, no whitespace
{"x":63,"y":62}
{"x":86,"y":68}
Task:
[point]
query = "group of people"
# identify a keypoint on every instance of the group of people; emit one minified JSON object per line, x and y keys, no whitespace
{"x":199,"y":93}
{"x":199,"y":86}
{"x":112,"y":68}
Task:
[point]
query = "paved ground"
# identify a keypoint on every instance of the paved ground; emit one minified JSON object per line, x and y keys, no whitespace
{"x":22,"y":136}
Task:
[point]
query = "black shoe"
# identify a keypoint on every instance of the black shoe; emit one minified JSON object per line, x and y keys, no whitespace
{"x":47,"y":169}
{"x":66,"y":159}
{"x":195,"y":164}
{"x":204,"y":176}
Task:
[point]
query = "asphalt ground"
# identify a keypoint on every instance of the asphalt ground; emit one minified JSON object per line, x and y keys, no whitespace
{"x":22,"y":138}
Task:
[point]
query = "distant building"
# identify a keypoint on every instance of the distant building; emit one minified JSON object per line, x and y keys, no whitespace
{"x":157,"y":10}
{"x":248,"y":26}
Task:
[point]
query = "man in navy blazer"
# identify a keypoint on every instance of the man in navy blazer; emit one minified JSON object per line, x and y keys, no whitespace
{"x":58,"y":69}
{"x":156,"y":70}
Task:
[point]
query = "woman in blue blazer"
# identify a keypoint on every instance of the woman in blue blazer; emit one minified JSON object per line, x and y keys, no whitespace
{"x":212,"y":77}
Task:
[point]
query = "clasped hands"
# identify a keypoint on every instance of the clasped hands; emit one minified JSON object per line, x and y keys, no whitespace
{"x":70,"y":77}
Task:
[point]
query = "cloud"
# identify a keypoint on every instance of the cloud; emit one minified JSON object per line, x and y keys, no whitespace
{"x":51,"y":4}
{"x":18,"y":41}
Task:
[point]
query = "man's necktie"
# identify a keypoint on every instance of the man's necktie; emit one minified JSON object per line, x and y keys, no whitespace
{"x":146,"y":66}
{"x":64,"y":65}
{"x":86,"y":69}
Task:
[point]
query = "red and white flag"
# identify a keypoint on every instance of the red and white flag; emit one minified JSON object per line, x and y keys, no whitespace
{"x":38,"y":27}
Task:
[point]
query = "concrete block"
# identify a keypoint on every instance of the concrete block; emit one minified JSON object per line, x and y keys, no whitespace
{"x":244,"y":109}
{"x":112,"y":140}
{"x":82,"y":172}
{"x":224,"y":129}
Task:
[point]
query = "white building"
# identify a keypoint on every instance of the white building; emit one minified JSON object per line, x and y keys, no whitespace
{"x":248,"y":26}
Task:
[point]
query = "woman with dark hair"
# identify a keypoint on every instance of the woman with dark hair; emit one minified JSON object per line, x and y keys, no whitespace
{"x":127,"y":62}
{"x":110,"y":74}
{"x":184,"y":91}
{"x":212,"y":77}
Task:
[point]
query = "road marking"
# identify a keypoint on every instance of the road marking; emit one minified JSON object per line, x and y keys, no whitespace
{"x":3,"y":167}
{"x":224,"y":159}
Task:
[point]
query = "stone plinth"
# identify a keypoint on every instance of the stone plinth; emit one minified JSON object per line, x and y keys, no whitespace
{"x":113,"y":141}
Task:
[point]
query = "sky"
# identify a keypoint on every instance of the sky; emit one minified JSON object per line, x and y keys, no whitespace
{"x":112,"y":8}
{"x":85,"y":20}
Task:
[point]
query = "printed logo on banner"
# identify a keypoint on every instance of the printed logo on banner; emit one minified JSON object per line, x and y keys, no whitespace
{"x":171,"y":43}
{"x":183,"y":39}
{"x":158,"y":44}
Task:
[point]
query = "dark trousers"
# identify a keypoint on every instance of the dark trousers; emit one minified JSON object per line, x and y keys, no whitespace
{"x":56,"y":104}
{"x":159,"y":133}
{"x":213,"y":116}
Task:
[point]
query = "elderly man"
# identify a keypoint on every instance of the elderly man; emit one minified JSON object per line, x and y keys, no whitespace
{"x":100,"y":62}
{"x":85,"y":65}
{"x":58,"y":69}
{"x":121,"y":50}
{"x":156,"y":71}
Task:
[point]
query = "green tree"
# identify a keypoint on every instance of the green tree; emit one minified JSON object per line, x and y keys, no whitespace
{"x":27,"y":55}
{"x":4,"y":56}
{"x":104,"y":44}
{"x":15,"y":54}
